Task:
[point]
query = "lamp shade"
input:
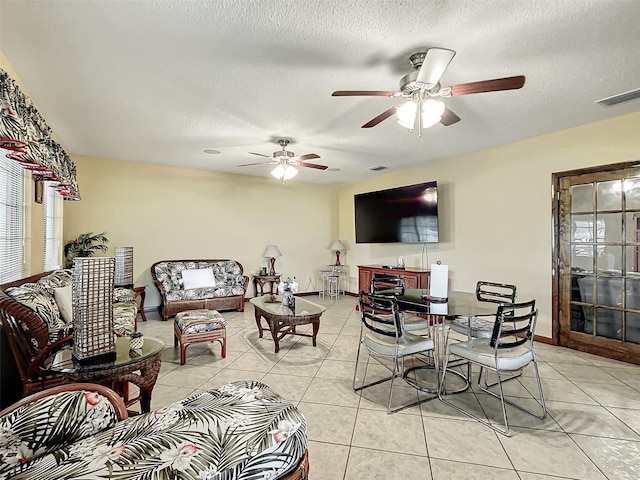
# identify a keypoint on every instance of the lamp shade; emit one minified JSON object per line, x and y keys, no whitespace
{"x":272,"y":251}
{"x":337,"y":245}
{"x":284,"y":172}
{"x":124,"y":267}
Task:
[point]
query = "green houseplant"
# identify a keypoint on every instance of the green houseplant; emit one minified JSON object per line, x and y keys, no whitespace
{"x":85,"y":245}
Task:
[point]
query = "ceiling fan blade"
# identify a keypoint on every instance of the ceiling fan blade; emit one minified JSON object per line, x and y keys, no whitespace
{"x":308,"y":156}
{"x":364,"y":93}
{"x":270,"y":162}
{"x":507,"y":83}
{"x":433,"y":66}
{"x":260,"y":154}
{"x":449,"y":118}
{"x":312,"y":165}
{"x":383,"y":116}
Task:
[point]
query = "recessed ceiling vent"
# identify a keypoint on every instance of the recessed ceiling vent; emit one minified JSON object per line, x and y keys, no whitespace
{"x":620,"y":98}
{"x":378,"y":168}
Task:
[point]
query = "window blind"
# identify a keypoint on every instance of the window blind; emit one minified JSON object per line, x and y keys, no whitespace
{"x":52,"y":203}
{"x":15,"y":215}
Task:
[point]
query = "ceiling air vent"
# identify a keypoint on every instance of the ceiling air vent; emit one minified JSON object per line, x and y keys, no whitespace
{"x":620,"y":98}
{"x":378,"y":168}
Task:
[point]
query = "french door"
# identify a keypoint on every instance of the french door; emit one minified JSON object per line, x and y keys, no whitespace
{"x":597,"y":249}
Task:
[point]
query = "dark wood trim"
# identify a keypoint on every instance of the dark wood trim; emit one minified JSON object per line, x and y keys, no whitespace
{"x":547,"y":340}
{"x":38,"y":191}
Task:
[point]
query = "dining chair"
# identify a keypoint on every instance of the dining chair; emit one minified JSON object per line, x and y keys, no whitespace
{"x":383,"y":335}
{"x":392,"y":285}
{"x":477,"y":327}
{"x":506,"y":350}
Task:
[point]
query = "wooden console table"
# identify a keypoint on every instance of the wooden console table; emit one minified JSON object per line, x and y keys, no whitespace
{"x":413,"y":277}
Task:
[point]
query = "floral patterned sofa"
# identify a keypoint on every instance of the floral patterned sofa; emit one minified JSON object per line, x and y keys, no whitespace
{"x":35,"y":326}
{"x":242,"y":430}
{"x":225,"y":289}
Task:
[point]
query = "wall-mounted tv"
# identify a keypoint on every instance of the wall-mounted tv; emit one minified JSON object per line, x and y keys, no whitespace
{"x":406,"y":214}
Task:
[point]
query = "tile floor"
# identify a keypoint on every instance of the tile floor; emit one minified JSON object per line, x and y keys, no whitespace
{"x":592,"y":431}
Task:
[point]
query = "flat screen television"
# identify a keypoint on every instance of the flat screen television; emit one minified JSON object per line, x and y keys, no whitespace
{"x":406,"y":214}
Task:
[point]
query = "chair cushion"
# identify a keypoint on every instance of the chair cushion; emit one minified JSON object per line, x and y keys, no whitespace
{"x":184,"y":321}
{"x":479,"y":351}
{"x":121,"y":294}
{"x":480,"y":327}
{"x":407,"y":344}
{"x":124,"y":317}
{"x":242,"y":430}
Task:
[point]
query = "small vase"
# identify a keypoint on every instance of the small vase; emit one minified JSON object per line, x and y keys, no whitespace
{"x":136,"y":341}
{"x":288,"y":300}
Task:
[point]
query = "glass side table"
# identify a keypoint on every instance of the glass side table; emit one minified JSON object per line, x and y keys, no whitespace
{"x":124,"y":368}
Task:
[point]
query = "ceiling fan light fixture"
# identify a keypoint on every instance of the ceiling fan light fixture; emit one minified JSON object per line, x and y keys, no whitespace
{"x":406,"y":114}
{"x":432,"y":111}
{"x":284,"y":172}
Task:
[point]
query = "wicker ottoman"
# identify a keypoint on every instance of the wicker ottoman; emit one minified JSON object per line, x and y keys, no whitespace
{"x":198,"y":326}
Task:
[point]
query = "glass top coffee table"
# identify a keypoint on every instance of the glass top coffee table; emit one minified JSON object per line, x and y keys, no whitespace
{"x":283,"y":320}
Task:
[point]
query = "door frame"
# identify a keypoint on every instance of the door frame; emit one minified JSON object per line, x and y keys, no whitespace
{"x":556,"y":273}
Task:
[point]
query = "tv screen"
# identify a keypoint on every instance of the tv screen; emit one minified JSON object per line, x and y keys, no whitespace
{"x":406,"y":214}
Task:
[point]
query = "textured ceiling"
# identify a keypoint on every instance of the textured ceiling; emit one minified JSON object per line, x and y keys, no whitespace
{"x":159,"y":81}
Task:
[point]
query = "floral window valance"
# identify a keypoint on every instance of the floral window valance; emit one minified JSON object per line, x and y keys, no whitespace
{"x":27,"y":138}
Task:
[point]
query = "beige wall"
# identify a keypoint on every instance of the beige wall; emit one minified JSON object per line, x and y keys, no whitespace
{"x":495,"y":208}
{"x":178,"y":213}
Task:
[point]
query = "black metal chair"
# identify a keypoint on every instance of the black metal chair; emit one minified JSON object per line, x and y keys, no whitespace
{"x":506,"y":350}
{"x":383,"y":335}
{"x":393,"y":285}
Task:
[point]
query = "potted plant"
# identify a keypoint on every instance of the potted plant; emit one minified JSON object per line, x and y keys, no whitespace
{"x":85,"y":245}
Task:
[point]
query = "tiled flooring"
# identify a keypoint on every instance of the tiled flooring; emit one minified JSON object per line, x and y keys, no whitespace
{"x":592,"y":431}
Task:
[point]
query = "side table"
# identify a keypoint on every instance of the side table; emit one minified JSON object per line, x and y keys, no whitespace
{"x":141,"y":293}
{"x":122,"y":369}
{"x":262,"y":280}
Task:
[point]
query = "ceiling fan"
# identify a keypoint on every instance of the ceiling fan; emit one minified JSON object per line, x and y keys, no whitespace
{"x":286,"y":162}
{"x":422,"y":85}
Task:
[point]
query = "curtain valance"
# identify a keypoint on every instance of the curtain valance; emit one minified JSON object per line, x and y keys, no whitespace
{"x":27,"y":138}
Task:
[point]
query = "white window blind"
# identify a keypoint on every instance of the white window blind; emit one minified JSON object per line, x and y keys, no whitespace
{"x":15,"y":216}
{"x":52,"y":203}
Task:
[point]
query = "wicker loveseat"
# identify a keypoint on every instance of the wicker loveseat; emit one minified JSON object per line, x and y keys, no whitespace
{"x":225,"y":292}
{"x":242,"y":430}
{"x":34,"y":326}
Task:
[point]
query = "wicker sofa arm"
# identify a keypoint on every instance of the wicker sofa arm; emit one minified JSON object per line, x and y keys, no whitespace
{"x":52,"y":419}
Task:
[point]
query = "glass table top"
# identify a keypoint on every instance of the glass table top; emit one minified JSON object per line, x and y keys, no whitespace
{"x":63,"y":362}
{"x":458,"y":304}
{"x":273,"y":305}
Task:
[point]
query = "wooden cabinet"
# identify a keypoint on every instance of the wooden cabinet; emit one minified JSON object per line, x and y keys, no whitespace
{"x":413,"y":277}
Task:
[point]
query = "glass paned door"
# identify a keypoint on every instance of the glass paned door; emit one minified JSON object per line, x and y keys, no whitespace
{"x":599,"y":262}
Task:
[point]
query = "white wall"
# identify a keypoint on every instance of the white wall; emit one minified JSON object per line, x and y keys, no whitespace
{"x":495,"y":208}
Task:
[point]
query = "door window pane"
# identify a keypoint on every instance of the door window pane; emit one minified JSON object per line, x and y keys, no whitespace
{"x":609,"y":260}
{"x":582,"y":198}
{"x":609,"y":227}
{"x":632,"y":193}
{"x":633,"y":328}
{"x":609,"y":196}
{"x":609,"y":323}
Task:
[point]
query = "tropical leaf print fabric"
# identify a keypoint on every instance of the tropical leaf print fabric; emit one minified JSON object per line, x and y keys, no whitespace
{"x":227,"y":274}
{"x":241,"y":431}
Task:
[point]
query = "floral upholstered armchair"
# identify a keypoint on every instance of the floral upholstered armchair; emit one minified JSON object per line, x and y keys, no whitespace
{"x":242,"y":430}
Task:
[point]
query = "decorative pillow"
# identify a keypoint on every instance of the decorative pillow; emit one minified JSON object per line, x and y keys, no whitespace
{"x":40,"y":301}
{"x":199,"y":278}
{"x":57,"y":279}
{"x":63,"y":298}
{"x":123,"y":295}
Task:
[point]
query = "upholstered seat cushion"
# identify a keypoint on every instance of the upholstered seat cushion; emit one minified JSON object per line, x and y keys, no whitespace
{"x":478,"y":350}
{"x":408,"y":344}
{"x":38,"y":299}
{"x":241,"y":430}
{"x":198,"y":321}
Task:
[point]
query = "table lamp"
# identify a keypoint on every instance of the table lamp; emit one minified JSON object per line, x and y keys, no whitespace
{"x":124,"y":267}
{"x":338,"y":247}
{"x":271,"y":253}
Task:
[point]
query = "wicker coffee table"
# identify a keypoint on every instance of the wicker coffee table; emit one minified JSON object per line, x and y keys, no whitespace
{"x":123,"y":369}
{"x":283,"y":320}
